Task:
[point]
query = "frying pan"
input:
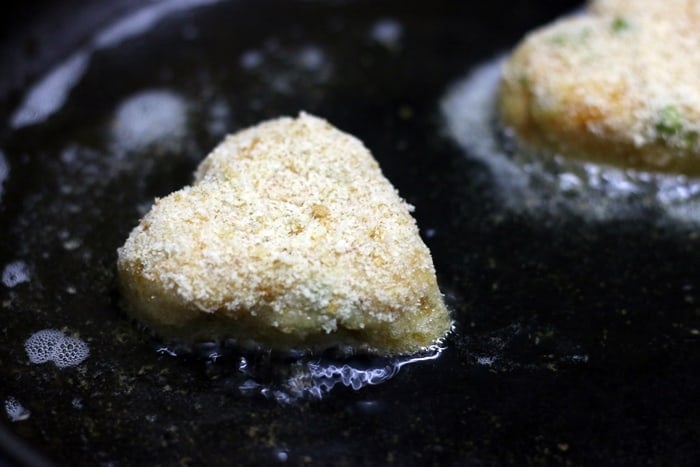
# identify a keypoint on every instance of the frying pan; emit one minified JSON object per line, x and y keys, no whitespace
{"x":576,"y":339}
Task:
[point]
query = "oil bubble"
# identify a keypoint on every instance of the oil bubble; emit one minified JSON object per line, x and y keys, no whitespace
{"x":153,"y":119}
{"x":387,"y":32}
{"x":41,"y":345}
{"x":486,"y":360}
{"x":16,"y":272}
{"x":282,"y":455}
{"x":286,"y":69}
{"x":52,"y":345}
{"x":15,"y":410}
{"x":70,"y":351}
{"x":71,"y":244}
{"x":311,"y":58}
{"x":251,"y":59}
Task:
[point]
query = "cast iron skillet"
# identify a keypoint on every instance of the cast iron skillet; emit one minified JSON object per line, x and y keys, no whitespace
{"x":576,"y":340}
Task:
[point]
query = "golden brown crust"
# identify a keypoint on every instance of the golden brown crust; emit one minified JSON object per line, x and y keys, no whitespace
{"x":291,"y":237}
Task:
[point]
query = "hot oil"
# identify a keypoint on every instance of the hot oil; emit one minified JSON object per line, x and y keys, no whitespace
{"x":293,"y":376}
{"x":566,"y":329}
{"x":84,"y":160}
{"x":575,"y":228}
{"x":549,"y":186}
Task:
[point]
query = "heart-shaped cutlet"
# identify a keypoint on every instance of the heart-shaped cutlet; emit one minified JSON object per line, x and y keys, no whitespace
{"x":291,"y":238}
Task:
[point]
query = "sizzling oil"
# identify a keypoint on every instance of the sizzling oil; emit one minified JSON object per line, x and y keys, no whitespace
{"x":547,"y":185}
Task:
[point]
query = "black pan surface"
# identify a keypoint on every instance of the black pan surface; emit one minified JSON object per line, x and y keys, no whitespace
{"x":576,"y":340}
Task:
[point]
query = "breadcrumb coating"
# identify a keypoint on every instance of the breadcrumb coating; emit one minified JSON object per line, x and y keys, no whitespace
{"x":669,"y":9}
{"x":618,"y":85}
{"x":289,"y":237}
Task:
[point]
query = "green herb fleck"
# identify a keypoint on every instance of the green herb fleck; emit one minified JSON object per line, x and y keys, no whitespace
{"x":620,"y":24}
{"x":559,"y":39}
{"x":524,"y":80}
{"x":690,"y":138}
{"x":672,"y":129}
{"x":670,"y":121}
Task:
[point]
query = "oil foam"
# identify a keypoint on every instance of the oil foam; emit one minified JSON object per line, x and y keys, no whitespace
{"x":550,"y":185}
{"x":52,"y":345}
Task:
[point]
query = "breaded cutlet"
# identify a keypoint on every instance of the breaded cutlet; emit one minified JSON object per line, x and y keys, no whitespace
{"x":290,"y":237}
{"x":617,"y":85}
